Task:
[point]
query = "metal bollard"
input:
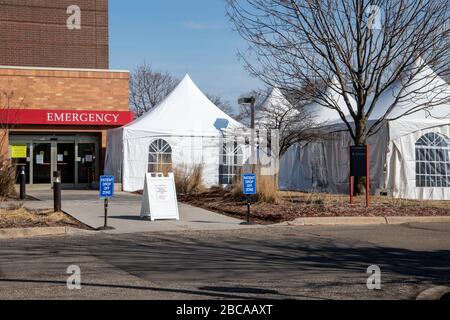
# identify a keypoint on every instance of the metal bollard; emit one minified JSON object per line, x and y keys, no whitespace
{"x":57,"y":191}
{"x":23,"y":183}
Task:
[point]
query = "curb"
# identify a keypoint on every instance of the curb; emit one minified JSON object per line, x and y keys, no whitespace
{"x":17,"y":233}
{"x":402,"y":220}
{"x":360,"y":221}
{"x":338,"y":221}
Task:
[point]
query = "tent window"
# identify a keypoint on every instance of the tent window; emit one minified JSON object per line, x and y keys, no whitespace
{"x":160,"y":157}
{"x":433,"y":161}
{"x":231,"y":162}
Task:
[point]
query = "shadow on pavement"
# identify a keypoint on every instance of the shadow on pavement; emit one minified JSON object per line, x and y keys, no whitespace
{"x":112,"y":286}
{"x":191,"y":259}
{"x":206,"y":259}
{"x":239,"y":290}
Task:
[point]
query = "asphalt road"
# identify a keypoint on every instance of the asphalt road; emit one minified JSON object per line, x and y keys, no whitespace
{"x":274,"y":262}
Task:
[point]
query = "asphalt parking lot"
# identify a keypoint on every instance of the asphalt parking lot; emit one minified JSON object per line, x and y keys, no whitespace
{"x":273,"y":262}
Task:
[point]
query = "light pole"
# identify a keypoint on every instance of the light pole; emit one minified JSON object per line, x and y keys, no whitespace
{"x":251,"y":101}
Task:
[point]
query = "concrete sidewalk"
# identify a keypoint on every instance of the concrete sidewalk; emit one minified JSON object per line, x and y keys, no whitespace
{"x":124,"y":213}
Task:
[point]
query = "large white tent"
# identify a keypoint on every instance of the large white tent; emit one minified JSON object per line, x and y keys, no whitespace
{"x":186,"y":129}
{"x":410,"y":155}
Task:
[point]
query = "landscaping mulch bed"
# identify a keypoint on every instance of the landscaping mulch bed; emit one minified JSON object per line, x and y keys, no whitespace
{"x":23,"y":218}
{"x":293,"y":205}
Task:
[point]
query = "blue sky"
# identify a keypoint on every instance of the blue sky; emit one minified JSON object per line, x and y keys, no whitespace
{"x":179,"y":36}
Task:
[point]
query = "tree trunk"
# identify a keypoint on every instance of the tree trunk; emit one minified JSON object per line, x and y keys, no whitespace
{"x":360,"y":140}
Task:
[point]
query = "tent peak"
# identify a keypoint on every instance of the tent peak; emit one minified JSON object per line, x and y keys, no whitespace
{"x":186,"y":110}
{"x":186,"y":77}
{"x":276,"y":98}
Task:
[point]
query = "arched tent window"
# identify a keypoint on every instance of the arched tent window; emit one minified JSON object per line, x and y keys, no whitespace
{"x":160,"y":157}
{"x":231,"y":162}
{"x":433,"y":161}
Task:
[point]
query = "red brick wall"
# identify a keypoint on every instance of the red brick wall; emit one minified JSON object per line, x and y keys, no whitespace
{"x":34,"y":33}
{"x":66,"y":89}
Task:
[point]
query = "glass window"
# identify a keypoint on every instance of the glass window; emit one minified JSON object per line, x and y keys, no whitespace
{"x":432,"y":161}
{"x":231,"y":162}
{"x":160,"y":157}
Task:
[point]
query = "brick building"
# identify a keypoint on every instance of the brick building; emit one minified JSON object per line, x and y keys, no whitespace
{"x":34,"y":33}
{"x":57,"y":95}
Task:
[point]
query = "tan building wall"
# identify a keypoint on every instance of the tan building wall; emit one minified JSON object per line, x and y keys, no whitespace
{"x":63,"y":89}
{"x":66,"y":89}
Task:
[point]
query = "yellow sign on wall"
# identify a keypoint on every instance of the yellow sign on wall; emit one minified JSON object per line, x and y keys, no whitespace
{"x":18,"y":152}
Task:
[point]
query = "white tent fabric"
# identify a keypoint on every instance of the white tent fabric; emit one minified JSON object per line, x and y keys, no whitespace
{"x":187,"y":120}
{"x":332,"y":97}
{"x":395,"y":167}
{"x":424,"y":87}
{"x":274,"y":109}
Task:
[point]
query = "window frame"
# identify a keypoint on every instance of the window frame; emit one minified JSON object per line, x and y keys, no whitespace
{"x":159,"y":156}
{"x":432,"y":161}
{"x":232,"y":161}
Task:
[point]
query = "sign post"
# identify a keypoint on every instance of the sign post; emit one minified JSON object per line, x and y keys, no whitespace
{"x":106,"y":193}
{"x":249,"y":189}
{"x":359,"y":167}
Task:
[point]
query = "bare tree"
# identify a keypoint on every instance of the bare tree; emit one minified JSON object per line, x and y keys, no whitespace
{"x":244,"y":111}
{"x":222,"y":104}
{"x":361,"y":49}
{"x":9,"y":112}
{"x":148,"y":88}
{"x":287,"y":114}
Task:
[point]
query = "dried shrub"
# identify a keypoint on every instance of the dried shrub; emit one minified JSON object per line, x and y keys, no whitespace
{"x":189,"y":180}
{"x":266,"y":188}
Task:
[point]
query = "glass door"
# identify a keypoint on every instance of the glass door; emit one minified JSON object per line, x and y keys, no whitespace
{"x":65,"y":161}
{"x":87,"y":161}
{"x":42,"y":163}
{"x":76,"y":157}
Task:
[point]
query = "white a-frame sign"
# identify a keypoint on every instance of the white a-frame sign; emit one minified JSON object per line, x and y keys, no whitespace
{"x":160,"y":198}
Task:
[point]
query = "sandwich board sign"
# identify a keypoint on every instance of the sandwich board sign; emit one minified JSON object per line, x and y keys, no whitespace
{"x":159,"y":201}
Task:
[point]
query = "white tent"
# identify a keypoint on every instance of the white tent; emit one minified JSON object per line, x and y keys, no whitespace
{"x":186,"y":129}
{"x":274,"y":109}
{"x":410,"y":156}
{"x":324,"y":115}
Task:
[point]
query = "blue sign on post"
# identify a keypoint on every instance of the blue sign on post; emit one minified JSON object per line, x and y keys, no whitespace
{"x":249,"y":184}
{"x":106,"y":187}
